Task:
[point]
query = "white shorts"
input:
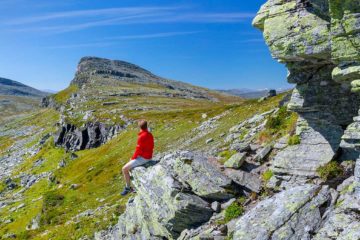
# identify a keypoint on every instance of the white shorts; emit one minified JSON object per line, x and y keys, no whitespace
{"x":137,"y":162}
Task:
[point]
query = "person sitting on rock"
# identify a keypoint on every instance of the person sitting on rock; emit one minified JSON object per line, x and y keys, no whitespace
{"x":143,"y":154}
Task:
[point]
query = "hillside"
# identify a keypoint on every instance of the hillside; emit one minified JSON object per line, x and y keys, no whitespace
{"x":14,"y":88}
{"x":84,"y":182}
{"x":13,"y":106}
{"x":17,"y":99}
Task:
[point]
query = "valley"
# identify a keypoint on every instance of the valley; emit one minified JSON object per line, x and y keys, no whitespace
{"x":57,"y":189}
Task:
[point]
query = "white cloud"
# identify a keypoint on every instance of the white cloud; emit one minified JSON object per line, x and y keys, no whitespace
{"x":111,"y":41}
{"x":68,"y":21}
{"x":107,"y":12}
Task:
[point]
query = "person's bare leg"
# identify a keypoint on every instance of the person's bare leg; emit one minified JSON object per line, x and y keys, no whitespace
{"x":126,"y":173}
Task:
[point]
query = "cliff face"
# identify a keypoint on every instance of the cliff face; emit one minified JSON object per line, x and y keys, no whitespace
{"x":318,"y":41}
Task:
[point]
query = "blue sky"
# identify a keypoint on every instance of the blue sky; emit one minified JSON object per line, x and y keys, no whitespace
{"x":210,"y":43}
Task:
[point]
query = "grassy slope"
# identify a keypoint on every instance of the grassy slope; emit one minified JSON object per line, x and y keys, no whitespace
{"x":97,"y":171}
{"x":13,"y":106}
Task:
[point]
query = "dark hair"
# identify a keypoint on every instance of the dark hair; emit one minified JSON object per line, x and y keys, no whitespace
{"x":143,"y":124}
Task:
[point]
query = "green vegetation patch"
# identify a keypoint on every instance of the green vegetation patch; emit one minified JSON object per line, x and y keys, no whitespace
{"x":225,"y":155}
{"x":294,"y":140}
{"x":267,"y":175}
{"x":5,"y":143}
{"x":279,"y":125}
{"x":338,"y":7}
{"x":50,"y":214}
{"x":235,"y":210}
{"x":62,"y":96}
{"x":330,"y":171}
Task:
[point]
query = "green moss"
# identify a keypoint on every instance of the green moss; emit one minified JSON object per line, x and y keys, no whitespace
{"x":330,"y":171}
{"x":235,"y":210}
{"x":243,"y":134}
{"x":336,"y":9}
{"x":267,"y":175}
{"x":294,"y":140}
{"x":225,"y":155}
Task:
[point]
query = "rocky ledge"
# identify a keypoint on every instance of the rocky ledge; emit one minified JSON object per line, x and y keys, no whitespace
{"x":177,"y":193}
{"x":318,"y":41}
{"x":182,"y":197}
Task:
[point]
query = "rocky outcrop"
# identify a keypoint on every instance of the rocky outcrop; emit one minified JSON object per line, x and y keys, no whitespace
{"x":91,"y":135}
{"x":318,"y":42}
{"x":343,"y":220}
{"x":174,"y":195}
{"x":319,"y":144}
{"x":291,"y":214}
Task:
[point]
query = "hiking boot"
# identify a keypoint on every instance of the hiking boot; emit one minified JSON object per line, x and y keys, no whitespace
{"x":126,"y":191}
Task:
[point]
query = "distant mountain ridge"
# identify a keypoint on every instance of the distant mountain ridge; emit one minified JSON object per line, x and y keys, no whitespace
{"x":14,"y":88}
{"x":249,"y":93}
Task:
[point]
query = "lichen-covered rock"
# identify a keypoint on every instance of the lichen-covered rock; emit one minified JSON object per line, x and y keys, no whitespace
{"x":247,"y":180}
{"x":235,"y":161}
{"x":174,"y":195}
{"x":318,"y":40}
{"x":291,"y":214}
{"x":319,"y":143}
{"x":262,"y":153}
{"x":293,"y":31}
{"x":162,"y":207}
{"x":343,"y":221}
{"x":195,"y":170}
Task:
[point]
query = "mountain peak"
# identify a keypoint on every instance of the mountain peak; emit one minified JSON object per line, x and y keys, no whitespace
{"x":14,"y":88}
{"x":102,"y":71}
{"x":91,"y":64}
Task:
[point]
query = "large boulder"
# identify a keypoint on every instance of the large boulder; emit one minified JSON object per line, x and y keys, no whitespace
{"x":174,"y":195}
{"x":291,"y":214}
{"x":236,"y":160}
{"x":319,"y":144}
{"x":204,"y":177}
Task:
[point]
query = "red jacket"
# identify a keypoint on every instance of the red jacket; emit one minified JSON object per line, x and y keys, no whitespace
{"x":145,"y":145}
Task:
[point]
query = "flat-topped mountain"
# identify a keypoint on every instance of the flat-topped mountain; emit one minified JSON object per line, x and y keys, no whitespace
{"x":94,"y":70}
{"x":14,"y":88}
